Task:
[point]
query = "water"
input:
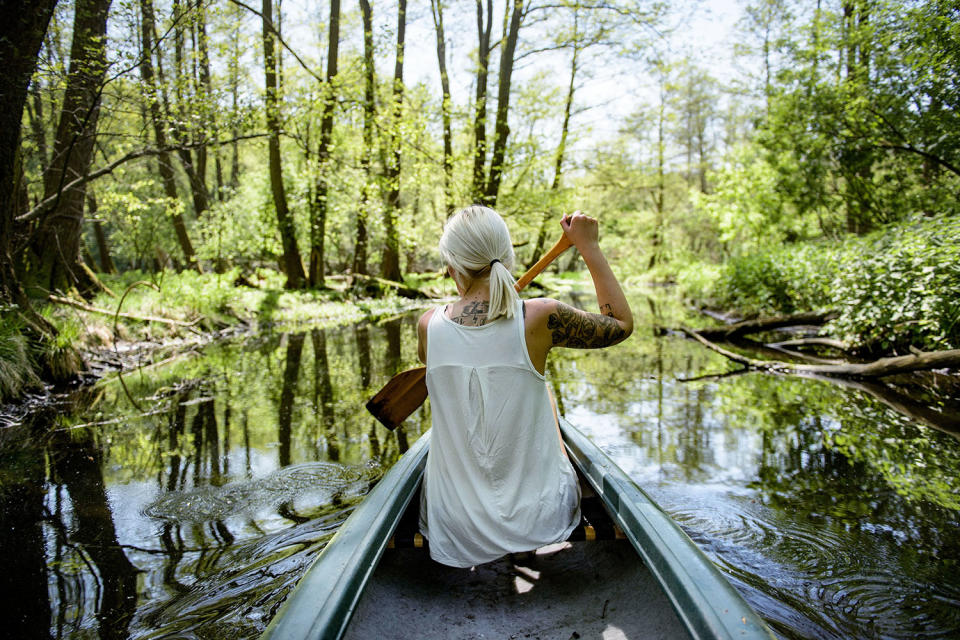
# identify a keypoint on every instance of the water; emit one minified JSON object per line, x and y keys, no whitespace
{"x":186,"y":500}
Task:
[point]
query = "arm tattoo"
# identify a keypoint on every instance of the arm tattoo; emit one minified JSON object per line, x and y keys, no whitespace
{"x":474,"y":314}
{"x":606,"y":310}
{"x":570,"y":327}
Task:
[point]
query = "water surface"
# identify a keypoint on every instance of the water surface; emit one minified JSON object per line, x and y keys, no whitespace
{"x":186,"y":500}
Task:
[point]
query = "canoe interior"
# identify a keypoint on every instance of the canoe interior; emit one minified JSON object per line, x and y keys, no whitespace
{"x":579,"y":588}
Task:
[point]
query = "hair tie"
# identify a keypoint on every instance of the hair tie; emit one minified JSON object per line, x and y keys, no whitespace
{"x":494,"y":260}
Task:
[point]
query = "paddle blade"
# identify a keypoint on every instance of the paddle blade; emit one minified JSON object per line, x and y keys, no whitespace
{"x":400,"y":397}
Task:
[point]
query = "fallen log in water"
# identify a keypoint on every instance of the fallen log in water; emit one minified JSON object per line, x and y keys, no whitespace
{"x":130,"y":316}
{"x":889,"y":366}
{"x":746,"y":327}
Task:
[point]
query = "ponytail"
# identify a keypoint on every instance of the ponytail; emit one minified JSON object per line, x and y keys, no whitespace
{"x":503,"y":294}
{"x":476,"y":239}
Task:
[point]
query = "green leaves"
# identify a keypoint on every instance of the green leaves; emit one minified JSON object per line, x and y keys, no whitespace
{"x":894,"y":289}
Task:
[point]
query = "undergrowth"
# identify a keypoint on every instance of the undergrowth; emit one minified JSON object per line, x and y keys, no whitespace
{"x":895,"y":288}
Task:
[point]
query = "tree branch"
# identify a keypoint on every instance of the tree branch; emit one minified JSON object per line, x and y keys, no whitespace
{"x":280,"y":39}
{"x":129,"y":316}
{"x":765,"y":324}
{"x":43,"y":205}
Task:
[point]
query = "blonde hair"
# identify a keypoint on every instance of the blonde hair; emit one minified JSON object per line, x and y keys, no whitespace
{"x":475,"y":239}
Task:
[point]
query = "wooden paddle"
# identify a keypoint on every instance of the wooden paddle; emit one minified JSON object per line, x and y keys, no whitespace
{"x":408,"y":389}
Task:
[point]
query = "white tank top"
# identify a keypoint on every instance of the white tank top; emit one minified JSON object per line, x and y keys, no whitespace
{"x":497,"y":480}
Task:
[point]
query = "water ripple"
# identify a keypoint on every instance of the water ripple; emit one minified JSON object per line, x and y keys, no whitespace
{"x":819,"y":581}
{"x":320,"y":481}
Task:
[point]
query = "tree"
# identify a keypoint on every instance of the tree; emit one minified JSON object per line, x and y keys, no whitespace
{"x":180,"y":127}
{"x":502,"y":129}
{"x":319,"y":210}
{"x":292,"y":264}
{"x":484,"y":30}
{"x":390,"y":264}
{"x":578,"y":42}
{"x":21,"y":36}
{"x":369,"y":116}
{"x":160,"y":128}
{"x":54,"y":256}
{"x":437,"y":12}
{"x":694,"y":100}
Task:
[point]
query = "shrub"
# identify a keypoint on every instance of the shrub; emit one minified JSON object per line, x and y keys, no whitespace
{"x":893,"y":289}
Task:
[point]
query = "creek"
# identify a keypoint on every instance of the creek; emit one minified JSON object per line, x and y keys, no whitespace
{"x":185,"y":500}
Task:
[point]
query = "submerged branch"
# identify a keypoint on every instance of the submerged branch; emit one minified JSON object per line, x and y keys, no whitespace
{"x":905,"y":405}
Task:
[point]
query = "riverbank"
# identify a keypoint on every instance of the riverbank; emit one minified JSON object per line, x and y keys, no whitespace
{"x":143,"y":318}
{"x":891,"y":292}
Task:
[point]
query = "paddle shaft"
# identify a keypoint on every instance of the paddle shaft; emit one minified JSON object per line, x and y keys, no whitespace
{"x":408,"y":389}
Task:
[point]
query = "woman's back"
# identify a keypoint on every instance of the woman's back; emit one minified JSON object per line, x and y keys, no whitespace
{"x":497,"y":480}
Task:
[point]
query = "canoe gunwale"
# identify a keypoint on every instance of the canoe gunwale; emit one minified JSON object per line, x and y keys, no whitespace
{"x":321,"y":604}
{"x":704,"y":600}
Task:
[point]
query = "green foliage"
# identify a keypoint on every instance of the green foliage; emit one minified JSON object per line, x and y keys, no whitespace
{"x":899,"y":288}
{"x":16,"y":364}
{"x":862,"y":125}
{"x":781,"y":280}
{"x":893,"y":289}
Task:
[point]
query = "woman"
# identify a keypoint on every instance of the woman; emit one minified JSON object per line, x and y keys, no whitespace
{"x":497,"y":479}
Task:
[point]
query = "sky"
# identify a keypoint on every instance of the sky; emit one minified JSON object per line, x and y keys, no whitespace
{"x":613,"y":90}
{"x":704,"y":32}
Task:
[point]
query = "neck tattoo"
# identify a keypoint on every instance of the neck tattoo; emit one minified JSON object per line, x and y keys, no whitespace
{"x":473,"y":313}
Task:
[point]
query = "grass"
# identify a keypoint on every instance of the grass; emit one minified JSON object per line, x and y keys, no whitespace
{"x":16,"y":363}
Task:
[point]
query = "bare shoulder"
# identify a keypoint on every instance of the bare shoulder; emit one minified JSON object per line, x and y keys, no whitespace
{"x":425,"y":319}
{"x":537,"y":310}
{"x":422,"y":334}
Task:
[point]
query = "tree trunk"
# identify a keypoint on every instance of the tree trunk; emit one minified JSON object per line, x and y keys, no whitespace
{"x":56,"y":246}
{"x":437,"y":6}
{"x":659,"y":195}
{"x":390,"y":265}
{"x":233,"y":72}
{"x":37,"y":124}
{"x":21,"y":36}
{"x":502,"y":130}
{"x":103,"y":249}
{"x":318,"y":223}
{"x":480,"y":101}
{"x":160,"y":127}
{"x":881,"y":368}
{"x":747,"y":327}
{"x":209,"y":123}
{"x":293,"y":266}
{"x":198,"y":188}
{"x":369,"y":114}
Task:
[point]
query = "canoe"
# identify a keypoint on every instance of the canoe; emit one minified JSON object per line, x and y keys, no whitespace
{"x":628,"y":571}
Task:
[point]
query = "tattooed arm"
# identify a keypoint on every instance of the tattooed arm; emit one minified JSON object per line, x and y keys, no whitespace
{"x":550,"y":323}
